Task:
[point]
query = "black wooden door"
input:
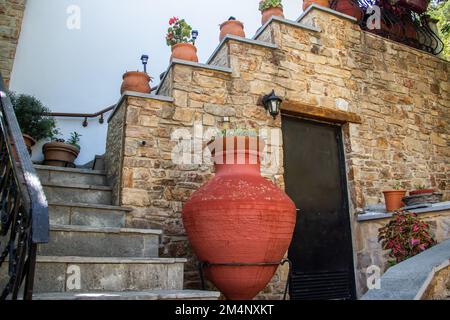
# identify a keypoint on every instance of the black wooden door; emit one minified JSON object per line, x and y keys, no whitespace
{"x":321,"y":251}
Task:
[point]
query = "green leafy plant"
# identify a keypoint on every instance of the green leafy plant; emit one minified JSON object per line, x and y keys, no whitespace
{"x":397,"y":186}
{"x":405,"y":236}
{"x":239,"y":132}
{"x":31,"y":116}
{"x":420,"y":187}
{"x":74,"y":139}
{"x":179,"y":32}
{"x":440,"y":10}
{"x":266,"y":4}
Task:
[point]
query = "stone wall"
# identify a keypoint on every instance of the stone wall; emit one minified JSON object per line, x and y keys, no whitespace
{"x":439,"y":288}
{"x":400,"y":94}
{"x":369,"y":250}
{"x":11,"y":15}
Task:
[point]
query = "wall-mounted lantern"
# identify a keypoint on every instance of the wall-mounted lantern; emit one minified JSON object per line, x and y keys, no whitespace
{"x":272,"y":103}
{"x":144,"y":59}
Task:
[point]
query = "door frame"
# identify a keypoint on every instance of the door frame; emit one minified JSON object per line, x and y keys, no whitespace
{"x":343,"y":168}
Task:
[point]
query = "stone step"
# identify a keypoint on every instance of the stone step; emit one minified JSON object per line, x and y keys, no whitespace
{"x":132,"y":295}
{"x":86,"y":241}
{"x":87,"y":274}
{"x":82,"y":214}
{"x":59,"y":175}
{"x":77,"y":193}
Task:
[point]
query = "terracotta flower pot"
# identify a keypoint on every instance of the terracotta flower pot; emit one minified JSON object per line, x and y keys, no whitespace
{"x":350,"y":8}
{"x":421,"y":191}
{"x":232,"y":27}
{"x":270,"y":12}
{"x":135,"y":81}
{"x":394,"y":199}
{"x":241,"y":218}
{"x":59,"y":154}
{"x":184,"y":51}
{"x":29,"y":143}
{"x":307,"y":3}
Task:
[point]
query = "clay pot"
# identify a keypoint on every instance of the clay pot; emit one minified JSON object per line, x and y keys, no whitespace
{"x":350,"y":8}
{"x":184,"y":51}
{"x":393,"y":199}
{"x":59,"y":154}
{"x":241,"y":218}
{"x":29,"y":143}
{"x":418,"y":6}
{"x":421,"y":191}
{"x":135,"y":81}
{"x":270,"y":12}
{"x":232,"y":27}
{"x":322,"y":3}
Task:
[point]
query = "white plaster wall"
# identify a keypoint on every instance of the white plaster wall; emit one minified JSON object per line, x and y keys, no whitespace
{"x":81,"y":70}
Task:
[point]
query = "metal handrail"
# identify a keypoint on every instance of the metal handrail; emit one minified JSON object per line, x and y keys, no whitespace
{"x":24,"y":221}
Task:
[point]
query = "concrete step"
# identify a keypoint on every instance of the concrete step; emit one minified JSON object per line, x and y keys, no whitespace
{"x":77,"y":193}
{"x":132,"y":295}
{"x":59,"y":175}
{"x":86,"y":241}
{"x":86,"y":274}
{"x":82,"y":214}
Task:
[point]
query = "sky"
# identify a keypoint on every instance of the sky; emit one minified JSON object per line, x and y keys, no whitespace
{"x":80,"y":70}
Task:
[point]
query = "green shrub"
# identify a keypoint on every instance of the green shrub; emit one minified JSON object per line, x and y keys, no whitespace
{"x":266,"y":4}
{"x":30,"y":114}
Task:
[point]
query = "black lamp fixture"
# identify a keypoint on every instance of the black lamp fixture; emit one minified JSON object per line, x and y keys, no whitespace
{"x":144,"y":59}
{"x":272,"y":103}
{"x":194,"y":35}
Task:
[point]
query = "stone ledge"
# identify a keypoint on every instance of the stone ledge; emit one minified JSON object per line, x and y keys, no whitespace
{"x":410,"y":279}
{"x":191,"y":64}
{"x":378,"y":215}
{"x":138,"y":95}
{"x":328,"y":10}
{"x":284,"y":21}
{"x":243,"y":40}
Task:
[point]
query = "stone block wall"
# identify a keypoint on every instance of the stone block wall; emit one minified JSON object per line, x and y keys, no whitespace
{"x":439,"y":288}
{"x":11,"y":15}
{"x":400,"y":94}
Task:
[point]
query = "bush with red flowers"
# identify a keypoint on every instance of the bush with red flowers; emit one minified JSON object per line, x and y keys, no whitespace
{"x":405,"y":236}
{"x":179,"y":32}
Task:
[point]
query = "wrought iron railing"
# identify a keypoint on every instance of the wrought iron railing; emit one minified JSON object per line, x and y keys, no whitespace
{"x":24,"y":221}
{"x":397,"y":22}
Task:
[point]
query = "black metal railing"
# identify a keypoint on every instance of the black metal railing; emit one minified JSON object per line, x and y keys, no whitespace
{"x":397,"y":22}
{"x":24,"y":221}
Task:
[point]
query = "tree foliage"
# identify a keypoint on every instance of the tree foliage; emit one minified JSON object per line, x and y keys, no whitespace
{"x":440,"y":10}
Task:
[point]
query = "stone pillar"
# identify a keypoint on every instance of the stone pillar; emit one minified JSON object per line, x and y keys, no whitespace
{"x":11,"y":15}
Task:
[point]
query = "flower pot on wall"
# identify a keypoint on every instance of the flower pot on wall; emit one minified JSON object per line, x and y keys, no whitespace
{"x":270,"y":12}
{"x":349,"y":7}
{"x":232,"y":27}
{"x":322,"y":3}
{"x":29,"y":143}
{"x":421,"y":191}
{"x":184,"y":51}
{"x":135,"y":81}
{"x":394,"y":199}
{"x":59,"y":154}
{"x":239,"y":218}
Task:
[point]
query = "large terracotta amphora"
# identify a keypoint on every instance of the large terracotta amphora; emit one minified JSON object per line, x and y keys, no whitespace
{"x":239,"y":223}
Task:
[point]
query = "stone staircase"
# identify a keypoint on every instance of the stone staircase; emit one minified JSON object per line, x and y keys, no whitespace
{"x":91,"y":255}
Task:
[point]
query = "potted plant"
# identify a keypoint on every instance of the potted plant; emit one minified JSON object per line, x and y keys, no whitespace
{"x":322,"y":3}
{"x":239,"y":223}
{"x":349,"y":7}
{"x":270,"y":8}
{"x":135,"y":81}
{"x":33,"y":119}
{"x":61,"y":153}
{"x":405,"y":236}
{"x":394,"y":198}
{"x":182,"y":39}
{"x":233,"y":27}
{"x":421,"y":189}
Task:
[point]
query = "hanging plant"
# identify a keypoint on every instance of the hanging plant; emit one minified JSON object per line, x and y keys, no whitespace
{"x":405,"y":236}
